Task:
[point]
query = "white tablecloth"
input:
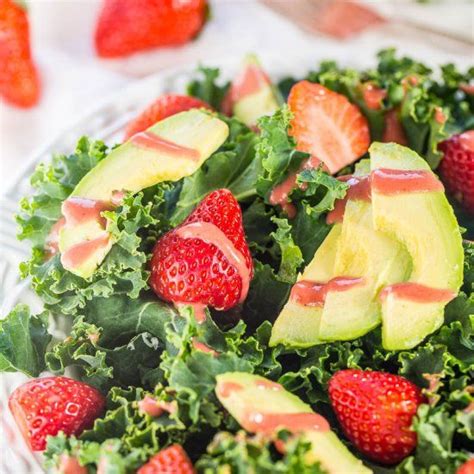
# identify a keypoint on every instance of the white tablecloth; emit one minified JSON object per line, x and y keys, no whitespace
{"x":74,"y":79}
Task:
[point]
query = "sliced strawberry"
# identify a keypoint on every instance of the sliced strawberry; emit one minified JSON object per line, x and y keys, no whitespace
{"x":327,"y":125}
{"x":165,"y":106}
{"x":457,"y":168}
{"x":127,"y":26}
{"x":19,"y":80}
{"x":45,"y":406}
{"x":376,"y":410}
{"x":172,"y":460}
{"x":205,"y":260}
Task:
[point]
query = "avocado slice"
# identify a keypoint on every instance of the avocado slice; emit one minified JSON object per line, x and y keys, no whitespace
{"x":424,"y":223}
{"x":252,"y":95}
{"x":168,"y":151}
{"x":297,"y":325}
{"x":260,"y":405}
{"x":365,"y":253}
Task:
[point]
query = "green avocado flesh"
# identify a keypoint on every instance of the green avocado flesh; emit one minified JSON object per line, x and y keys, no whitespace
{"x":298,"y":325}
{"x":394,"y":238}
{"x":242,"y":393}
{"x":264,"y":101}
{"x":132,"y":167}
{"x":424,"y":223}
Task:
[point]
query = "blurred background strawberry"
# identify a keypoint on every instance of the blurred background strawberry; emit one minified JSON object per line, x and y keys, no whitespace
{"x":128,"y":26}
{"x":19,"y":80}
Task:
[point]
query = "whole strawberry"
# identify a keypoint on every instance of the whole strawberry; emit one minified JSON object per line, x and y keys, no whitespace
{"x":457,"y":168}
{"x":467,"y":467}
{"x":172,"y":460}
{"x":45,"y":406}
{"x":127,"y":26}
{"x":205,"y":260}
{"x":165,"y":106}
{"x":375,"y":411}
{"x":19,"y":81}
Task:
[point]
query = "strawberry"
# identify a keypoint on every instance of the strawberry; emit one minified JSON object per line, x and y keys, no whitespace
{"x":376,"y":410}
{"x":457,"y":167}
{"x":172,"y":460}
{"x":45,"y":406}
{"x":467,"y":467}
{"x":127,"y":26}
{"x":19,"y":80}
{"x":205,"y":260}
{"x":165,"y":106}
{"x":326,"y":125}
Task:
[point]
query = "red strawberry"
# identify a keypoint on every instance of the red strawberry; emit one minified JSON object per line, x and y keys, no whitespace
{"x":45,"y":406}
{"x":206,"y":259}
{"x":467,"y":467}
{"x":19,"y":80}
{"x":327,"y":125}
{"x":165,"y":106}
{"x":375,"y":410}
{"x":457,"y":167}
{"x":172,"y":460}
{"x":127,"y":26}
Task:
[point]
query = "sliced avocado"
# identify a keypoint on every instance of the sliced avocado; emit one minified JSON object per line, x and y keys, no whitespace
{"x":297,"y":325}
{"x":184,"y":142}
{"x":424,"y":223}
{"x":365,"y":253}
{"x":243,"y":394}
{"x":253,"y":94}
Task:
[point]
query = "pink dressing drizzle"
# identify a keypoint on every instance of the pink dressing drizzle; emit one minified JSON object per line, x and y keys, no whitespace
{"x":227,"y":388}
{"x":152,"y":141}
{"x":393,"y":130}
{"x":390,"y":181}
{"x":77,"y":254}
{"x":268,"y":423}
{"x":211,"y":234}
{"x":373,"y":96}
{"x":280,"y":193}
{"x":310,"y":293}
{"x":155,"y":408}
{"x":77,"y":210}
{"x":200,"y":346}
{"x":268,"y":385}
{"x":359,"y":190}
{"x":249,"y":81}
{"x":52,"y":240}
{"x":417,"y":293}
{"x":70,"y":465}
{"x":198,"y":308}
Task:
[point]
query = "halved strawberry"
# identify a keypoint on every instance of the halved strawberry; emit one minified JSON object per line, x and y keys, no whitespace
{"x":205,"y":260}
{"x":172,"y":460}
{"x":326,"y":125}
{"x":164,"y":106}
{"x":45,"y":406}
{"x":457,"y":168}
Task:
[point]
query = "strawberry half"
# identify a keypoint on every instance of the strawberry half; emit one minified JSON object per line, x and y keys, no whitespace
{"x":172,"y":460}
{"x":457,"y":168}
{"x":165,"y":106}
{"x":326,"y":125}
{"x":205,"y":260}
{"x":45,"y":406}
{"x":376,"y":410}
{"x":19,"y":80}
{"x":127,"y":26}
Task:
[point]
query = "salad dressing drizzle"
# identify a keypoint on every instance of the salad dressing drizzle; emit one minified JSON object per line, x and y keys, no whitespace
{"x":52,"y":240}
{"x":154,"y":142}
{"x":211,"y":234}
{"x":417,"y":293}
{"x":79,"y":253}
{"x":77,"y":210}
{"x":280,"y":193}
{"x":391,"y":181}
{"x":200,"y":346}
{"x":249,"y":82}
{"x":359,"y":189}
{"x":310,"y":293}
{"x":155,"y":408}
{"x":393,"y":130}
{"x":226,"y":388}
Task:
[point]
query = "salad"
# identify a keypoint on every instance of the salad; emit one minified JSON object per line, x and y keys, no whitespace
{"x":263,"y":277}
